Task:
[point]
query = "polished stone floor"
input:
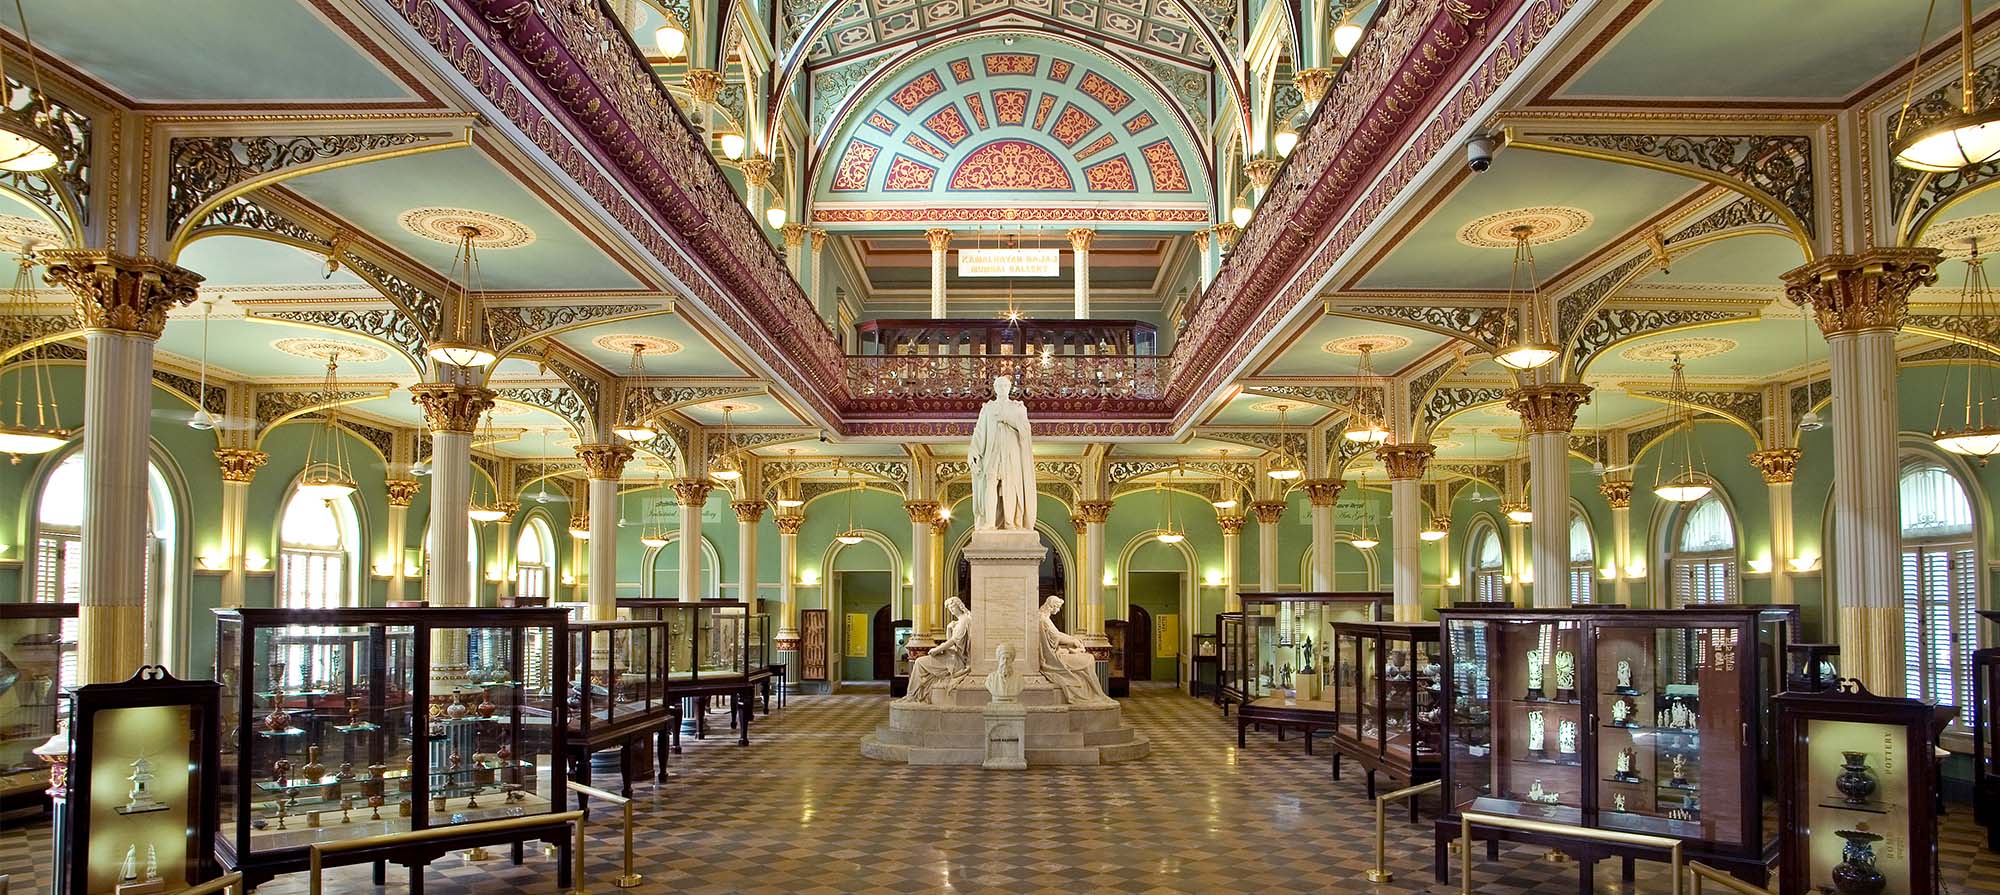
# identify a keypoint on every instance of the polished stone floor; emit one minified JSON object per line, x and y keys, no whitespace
{"x":800,"y":811}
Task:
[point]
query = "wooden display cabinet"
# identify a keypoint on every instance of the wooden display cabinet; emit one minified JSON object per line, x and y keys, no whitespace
{"x":1858,"y":804}
{"x":1631,"y":720}
{"x":1386,"y":694}
{"x":37,"y":643}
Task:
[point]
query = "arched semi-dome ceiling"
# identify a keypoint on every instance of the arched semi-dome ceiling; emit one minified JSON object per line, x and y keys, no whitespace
{"x":1036,"y":130}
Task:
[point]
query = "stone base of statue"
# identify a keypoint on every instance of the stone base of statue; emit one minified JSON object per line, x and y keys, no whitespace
{"x":951,"y":727}
{"x":1006,"y":736}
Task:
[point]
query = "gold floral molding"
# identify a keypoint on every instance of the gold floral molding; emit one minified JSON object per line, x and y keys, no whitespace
{"x":1405,"y":462}
{"x":1778,"y":465}
{"x":1617,"y":492}
{"x":1550,"y":407}
{"x":120,"y":293}
{"x":452,"y":408}
{"x":402,"y":491}
{"x":239,"y":464}
{"x":1868,"y":291}
{"x":604,"y":462}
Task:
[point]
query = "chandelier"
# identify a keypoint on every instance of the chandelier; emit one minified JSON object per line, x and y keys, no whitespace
{"x":1170,"y":533}
{"x":462,"y":347}
{"x":671,"y":38}
{"x":725,"y":468}
{"x":1964,"y":139}
{"x":1367,"y":538}
{"x":26,"y":146}
{"x":1439,"y":526}
{"x":1533,"y":347}
{"x":1284,"y":467}
{"x":850,"y":535}
{"x":327,"y":476}
{"x":489,"y":510}
{"x":39,"y":431}
{"x":1688,"y":480}
{"x":1366,"y":425}
{"x":1973,"y":435}
{"x":634,"y":426}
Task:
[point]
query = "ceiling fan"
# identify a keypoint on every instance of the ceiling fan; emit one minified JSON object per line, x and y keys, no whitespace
{"x":199,"y":417}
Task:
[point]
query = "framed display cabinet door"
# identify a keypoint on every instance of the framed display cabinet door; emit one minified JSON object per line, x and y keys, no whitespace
{"x":143,"y":767}
{"x":1857,"y":795}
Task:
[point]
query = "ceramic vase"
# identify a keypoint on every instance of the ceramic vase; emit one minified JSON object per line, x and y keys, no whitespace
{"x":1856,"y":873}
{"x":1856,"y":782}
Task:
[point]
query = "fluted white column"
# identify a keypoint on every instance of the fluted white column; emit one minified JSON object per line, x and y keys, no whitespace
{"x":787,"y":638}
{"x":1618,"y":493}
{"x":922,"y":514}
{"x":1322,"y":495}
{"x":1269,"y":513}
{"x":400,"y":492}
{"x":693,"y":496}
{"x":239,"y":470}
{"x":1548,"y":412}
{"x":940,"y":239}
{"x":1079,"y":242}
{"x":1778,"y":465}
{"x":748,"y":514}
{"x":1232,"y":548}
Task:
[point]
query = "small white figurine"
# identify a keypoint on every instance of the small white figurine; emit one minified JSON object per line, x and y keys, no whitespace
{"x":1566,"y":738}
{"x":1535,"y":731}
{"x":128,"y":870}
{"x":1621,"y":711}
{"x":1534,"y":672}
{"x":1626,"y":759}
{"x":141,"y":796}
{"x":1618,"y":802}
{"x":1680,"y":765}
{"x":1680,"y":716}
{"x":1565,"y":671}
{"x":1624,"y":676}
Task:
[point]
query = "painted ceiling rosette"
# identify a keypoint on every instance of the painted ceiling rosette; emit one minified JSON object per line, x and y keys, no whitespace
{"x":982,"y":130}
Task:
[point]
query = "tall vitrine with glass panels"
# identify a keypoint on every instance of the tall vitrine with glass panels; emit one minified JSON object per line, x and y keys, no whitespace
{"x":1284,"y":641}
{"x":1640,"y":721}
{"x":342,"y":724}
{"x":1387,"y":695}
{"x":38,"y":658}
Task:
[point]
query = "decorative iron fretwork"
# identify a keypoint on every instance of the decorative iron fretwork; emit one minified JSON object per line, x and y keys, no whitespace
{"x":645,"y":401}
{"x":513,"y":325}
{"x":1812,"y":394}
{"x":527,"y":471}
{"x":246,"y":213}
{"x":719,"y":443}
{"x":201,"y":168}
{"x":1970,"y":330}
{"x":1452,"y":399}
{"x":587,"y":387}
{"x":1347,"y":452}
{"x":1637,"y":440}
{"x":1484,"y":327}
{"x":271,"y":406}
{"x":383,"y":440}
{"x":424,"y":308}
{"x":1576,"y":306}
{"x":1058,"y":470}
{"x":216,"y":401}
{"x":1291,"y":442}
{"x":1235,"y":471}
{"x":1609,"y":326}
{"x":490,"y":464}
{"x":1208,"y":491}
{"x":1778,"y":165}
{"x":387,"y":325}
{"x":1493,"y":474}
{"x":1420,"y":389}
{"x":560,"y":400}
{"x":1346,"y":397}
{"x":1746,"y":408}
{"x":952,"y":470}
{"x":64,"y":190}
{"x":897,"y":471}
{"x":1742,"y":212}
{"x":1855,"y":293}
{"x":1949,"y":351}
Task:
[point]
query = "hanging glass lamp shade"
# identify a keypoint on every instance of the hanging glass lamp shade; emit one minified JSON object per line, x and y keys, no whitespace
{"x":1961,"y":141}
{"x":1976,"y":443}
{"x":30,"y":440}
{"x":25,"y":152}
{"x":460,"y":354}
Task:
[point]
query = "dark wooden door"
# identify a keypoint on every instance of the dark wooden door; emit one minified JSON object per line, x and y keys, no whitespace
{"x":882,"y":643}
{"x":1139,"y":645}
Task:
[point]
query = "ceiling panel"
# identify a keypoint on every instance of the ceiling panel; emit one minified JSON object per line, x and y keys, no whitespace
{"x":250,"y":348}
{"x":1395,"y":347}
{"x":696,"y":357}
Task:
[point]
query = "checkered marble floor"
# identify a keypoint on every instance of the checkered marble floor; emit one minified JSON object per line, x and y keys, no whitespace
{"x":800,"y":811}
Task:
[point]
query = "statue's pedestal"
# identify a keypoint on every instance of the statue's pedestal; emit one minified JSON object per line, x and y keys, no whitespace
{"x":1006,"y":736}
{"x":953,"y":728}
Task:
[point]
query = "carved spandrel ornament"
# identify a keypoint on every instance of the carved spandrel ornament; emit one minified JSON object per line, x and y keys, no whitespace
{"x":118,"y":292}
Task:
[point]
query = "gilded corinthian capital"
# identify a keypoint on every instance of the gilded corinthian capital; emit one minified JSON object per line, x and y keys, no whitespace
{"x":119,"y":293}
{"x":452,"y":408}
{"x":604,"y":462}
{"x":1550,"y":407}
{"x":1857,"y":293}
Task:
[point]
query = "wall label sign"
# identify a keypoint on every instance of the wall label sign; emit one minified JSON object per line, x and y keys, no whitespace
{"x":1009,"y":262}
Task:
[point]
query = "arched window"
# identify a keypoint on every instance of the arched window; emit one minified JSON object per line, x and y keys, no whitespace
{"x":534,"y":557}
{"x":1488,"y":563}
{"x":1940,"y":584}
{"x":1582,"y":561}
{"x":1701,"y":562}
{"x":57,"y":573}
{"x":318,"y":553}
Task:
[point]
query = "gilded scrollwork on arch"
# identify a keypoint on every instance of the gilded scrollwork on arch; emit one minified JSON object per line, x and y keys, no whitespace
{"x":36,"y":331}
{"x":1344,"y":397}
{"x":719,"y":443}
{"x":1975,"y":332}
{"x":215,"y":400}
{"x":1808,"y":395}
{"x":1452,"y":399}
{"x":387,"y":325}
{"x":62,"y":192}
{"x":1609,"y":326}
{"x":1420,"y":390}
{"x":202,"y":171}
{"x":382,"y":440}
{"x":510,"y":326}
{"x":246,"y":213}
{"x":1637,"y":440}
{"x":1485,"y":327}
{"x":1949,"y":351}
{"x":1346,"y":453}
{"x":424,"y":310}
{"x":586,"y":386}
{"x":560,"y":400}
{"x":1776,"y":166}
{"x":648,"y":401}
{"x":1295,"y":443}
{"x":1745,"y":408}
{"x":1578,"y":305}
{"x":1208,"y":490}
{"x":1741,"y":213}
{"x":281,"y":405}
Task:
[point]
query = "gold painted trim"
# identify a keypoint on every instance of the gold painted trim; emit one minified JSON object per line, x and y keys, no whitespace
{"x":272,"y":426}
{"x":394,"y":349}
{"x":513,"y":349}
{"x":1699,"y":873}
{"x":231,"y":883}
{"x":1701,"y":410}
{"x":1795,"y":228}
{"x":1651,"y":333}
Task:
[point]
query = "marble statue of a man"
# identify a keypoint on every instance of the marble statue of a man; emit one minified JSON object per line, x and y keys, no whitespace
{"x":1065,"y":662}
{"x":1002,"y":457}
{"x":947,"y":661}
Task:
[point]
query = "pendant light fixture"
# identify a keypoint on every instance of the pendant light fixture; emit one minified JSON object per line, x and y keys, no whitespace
{"x":775,"y":213}
{"x":26,"y":146}
{"x":202,"y":420}
{"x":422,"y":468}
{"x":1968,"y":138}
{"x":634,"y":427}
{"x":1686,"y":484}
{"x":655,"y":536}
{"x":724,"y":468}
{"x":1810,"y":420}
{"x":1366,"y":426}
{"x":671,"y":38}
{"x":1366,"y":539}
{"x":1240,"y":213}
{"x":850,"y":535}
{"x":1973,"y":434}
{"x":327,"y":476}
{"x":1439,"y":525}
{"x":1284,"y":467}
{"x":488,"y":510}
{"x":732,"y":144}
{"x":40,"y":430}
{"x":542,"y":484}
{"x":1228,"y":499}
{"x":1168,"y":533}
{"x":1533,"y":346}
{"x":462,"y":347}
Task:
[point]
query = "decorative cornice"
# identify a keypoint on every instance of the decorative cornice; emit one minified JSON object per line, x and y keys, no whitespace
{"x":1407,"y":461}
{"x":789,"y":523}
{"x":1777,"y":464}
{"x":1550,"y":407}
{"x":240,"y":465}
{"x":402,"y":491}
{"x":452,"y":408}
{"x":1857,"y":293}
{"x":604,"y":462}
{"x":119,"y":293}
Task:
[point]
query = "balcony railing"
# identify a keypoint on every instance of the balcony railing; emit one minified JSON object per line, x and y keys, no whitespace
{"x":1053,"y":382}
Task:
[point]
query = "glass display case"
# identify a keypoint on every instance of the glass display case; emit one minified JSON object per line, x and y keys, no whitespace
{"x":37,"y":661}
{"x":1118,"y":677}
{"x":1229,"y":640}
{"x":1386,"y":694}
{"x":1285,"y":639}
{"x":139,"y":816}
{"x":709,"y":639}
{"x":1812,"y":667}
{"x":1985,"y":743}
{"x":1207,"y":664}
{"x":340,"y":724}
{"x":1631,"y":720}
{"x":1858,"y":804}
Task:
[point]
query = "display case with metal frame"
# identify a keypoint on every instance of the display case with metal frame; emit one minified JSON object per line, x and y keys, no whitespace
{"x":1229,"y":639}
{"x":38,"y":649}
{"x":1631,"y":720}
{"x":1285,"y":634}
{"x":342,"y":724}
{"x":715,"y":648}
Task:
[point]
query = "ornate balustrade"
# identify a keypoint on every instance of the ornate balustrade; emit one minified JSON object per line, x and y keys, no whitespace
{"x":1050,"y":383}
